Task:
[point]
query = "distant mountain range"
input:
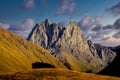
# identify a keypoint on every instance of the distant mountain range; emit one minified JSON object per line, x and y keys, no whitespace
{"x":70,"y":47}
{"x":113,"y":68}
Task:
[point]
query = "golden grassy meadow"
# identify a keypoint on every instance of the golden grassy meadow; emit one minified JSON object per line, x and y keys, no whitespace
{"x":54,"y":74}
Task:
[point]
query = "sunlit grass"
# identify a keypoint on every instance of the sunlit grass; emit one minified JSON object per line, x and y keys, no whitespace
{"x":17,"y":54}
{"x":56,"y":74}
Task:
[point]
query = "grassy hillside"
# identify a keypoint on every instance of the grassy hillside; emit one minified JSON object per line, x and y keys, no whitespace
{"x":55,"y":74}
{"x":71,"y":62}
{"x":17,"y":54}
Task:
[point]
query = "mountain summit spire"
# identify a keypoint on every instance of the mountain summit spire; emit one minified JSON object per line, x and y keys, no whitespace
{"x":72,"y":21}
{"x":47,"y":22}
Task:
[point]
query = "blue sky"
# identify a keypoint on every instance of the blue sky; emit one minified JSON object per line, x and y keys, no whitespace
{"x":11,"y":11}
{"x":95,"y":17}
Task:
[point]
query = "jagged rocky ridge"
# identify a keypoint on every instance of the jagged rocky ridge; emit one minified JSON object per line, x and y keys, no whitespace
{"x":69,"y":46}
{"x":113,"y":68}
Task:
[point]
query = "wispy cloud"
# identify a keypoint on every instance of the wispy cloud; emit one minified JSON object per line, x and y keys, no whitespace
{"x":24,"y":28}
{"x":108,"y":35}
{"x":87,"y":22}
{"x":5,"y":26}
{"x":28,"y":4}
{"x":117,"y":24}
{"x":115,"y":9}
{"x":111,"y":42}
{"x":66,"y":7}
{"x":105,"y":37}
{"x":117,"y":35}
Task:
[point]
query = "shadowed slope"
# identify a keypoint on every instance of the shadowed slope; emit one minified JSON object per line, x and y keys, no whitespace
{"x":18,"y":54}
{"x":114,"y":68}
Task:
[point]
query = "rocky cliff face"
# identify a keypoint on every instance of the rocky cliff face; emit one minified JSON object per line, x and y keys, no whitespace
{"x":46,"y":34}
{"x":103,"y":53}
{"x":70,"y":47}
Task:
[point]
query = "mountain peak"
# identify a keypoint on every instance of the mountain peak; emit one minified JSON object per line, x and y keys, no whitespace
{"x":73,"y":27}
{"x":47,"y":22}
{"x":72,"y":22}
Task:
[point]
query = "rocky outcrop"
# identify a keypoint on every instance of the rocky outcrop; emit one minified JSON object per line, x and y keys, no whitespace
{"x":46,"y":34}
{"x":103,"y":53}
{"x":70,"y":47}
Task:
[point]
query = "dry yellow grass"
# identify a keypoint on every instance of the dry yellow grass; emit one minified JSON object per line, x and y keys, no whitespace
{"x":55,"y":74}
{"x":17,"y":54}
{"x":72,"y":62}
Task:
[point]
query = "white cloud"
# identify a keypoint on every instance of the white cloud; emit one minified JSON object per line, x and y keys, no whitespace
{"x":117,"y":35}
{"x":106,"y":35}
{"x":66,"y":7}
{"x":87,"y":22}
{"x":28,"y":4}
{"x":109,"y":42}
{"x":23,"y":29}
{"x":5,"y":26}
{"x":115,"y":9}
